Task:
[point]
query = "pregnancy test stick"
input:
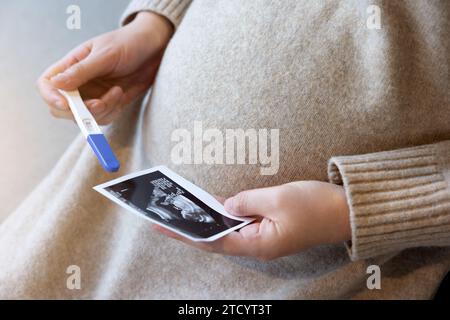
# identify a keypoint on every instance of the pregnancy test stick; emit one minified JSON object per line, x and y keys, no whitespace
{"x":91,"y":131}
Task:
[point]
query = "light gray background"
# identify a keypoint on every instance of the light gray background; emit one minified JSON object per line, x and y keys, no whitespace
{"x":33,"y":35}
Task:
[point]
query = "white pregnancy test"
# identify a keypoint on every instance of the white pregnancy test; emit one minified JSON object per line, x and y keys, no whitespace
{"x":91,"y":131}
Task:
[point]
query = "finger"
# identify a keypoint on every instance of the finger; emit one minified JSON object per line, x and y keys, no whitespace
{"x":259,"y":240}
{"x":107,"y":103}
{"x":61,"y":114}
{"x":110,"y":117}
{"x":47,"y":90}
{"x":94,"y":89}
{"x":51,"y":96}
{"x":73,"y":57}
{"x":113,"y":105}
{"x":245,"y":242}
{"x":256,"y":202}
{"x":80,"y":73}
{"x":249,"y":241}
{"x":199,"y":245}
{"x":95,"y":106}
{"x":127,"y":98}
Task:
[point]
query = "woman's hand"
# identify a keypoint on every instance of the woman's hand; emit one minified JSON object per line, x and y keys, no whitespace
{"x":291,"y":218}
{"x":111,"y":70}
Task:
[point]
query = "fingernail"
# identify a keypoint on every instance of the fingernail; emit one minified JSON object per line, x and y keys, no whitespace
{"x":60,"y":105}
{"x":97,"y":107}
{"x":228,"y":205}
{"x":116,"y":92}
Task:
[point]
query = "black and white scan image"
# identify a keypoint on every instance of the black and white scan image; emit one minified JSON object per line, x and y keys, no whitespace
{"x":161,"y":199}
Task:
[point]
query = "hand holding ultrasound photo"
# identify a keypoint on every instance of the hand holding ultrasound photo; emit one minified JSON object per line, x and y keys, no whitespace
{"x":165,"y":198}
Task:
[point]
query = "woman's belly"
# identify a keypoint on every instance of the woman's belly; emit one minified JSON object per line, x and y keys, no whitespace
{"x":301,"y":97}
{"x":251,"y":65}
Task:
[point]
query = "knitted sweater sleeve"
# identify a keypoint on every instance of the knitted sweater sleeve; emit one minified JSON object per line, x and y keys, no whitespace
{"x":173,"y":10}
{"x":398,"y":199}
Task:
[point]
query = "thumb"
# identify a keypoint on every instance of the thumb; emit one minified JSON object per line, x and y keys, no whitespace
{"x":256,"y":202}
{"x":82,"y":72}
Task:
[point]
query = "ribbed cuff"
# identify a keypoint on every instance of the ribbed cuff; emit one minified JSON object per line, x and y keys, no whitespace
{"x":171,"y":9}
{"x":397,"y":199}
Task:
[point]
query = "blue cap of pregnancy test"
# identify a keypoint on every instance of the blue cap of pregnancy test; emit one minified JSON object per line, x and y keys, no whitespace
{"x":103,"y":152}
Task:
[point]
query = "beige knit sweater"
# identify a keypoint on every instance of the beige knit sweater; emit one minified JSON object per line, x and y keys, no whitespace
{"x":366,"y":108}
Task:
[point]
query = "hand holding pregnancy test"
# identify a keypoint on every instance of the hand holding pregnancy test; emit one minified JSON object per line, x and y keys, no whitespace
{"x":91,"y":131}
{"x":170,"y":201}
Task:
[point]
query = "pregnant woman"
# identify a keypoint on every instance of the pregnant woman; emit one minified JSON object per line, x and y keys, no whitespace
{"x":364,"y":153}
